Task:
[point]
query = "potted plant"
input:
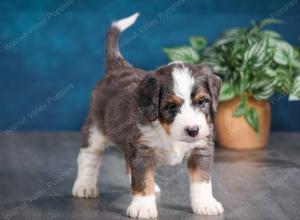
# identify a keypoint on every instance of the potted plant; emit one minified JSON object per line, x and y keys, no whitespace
{"x":254,"y":64}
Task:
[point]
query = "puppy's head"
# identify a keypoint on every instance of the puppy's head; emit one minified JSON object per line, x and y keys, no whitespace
{"x":182,"y":98}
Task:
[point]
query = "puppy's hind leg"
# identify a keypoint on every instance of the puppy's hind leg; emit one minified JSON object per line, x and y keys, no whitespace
{"x":89,"y":161}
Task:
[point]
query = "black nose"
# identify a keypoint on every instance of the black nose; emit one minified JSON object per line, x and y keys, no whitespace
{"x":192,"y":131}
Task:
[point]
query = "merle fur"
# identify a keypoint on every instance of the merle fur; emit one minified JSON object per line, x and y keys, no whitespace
{"x":128,"y":96}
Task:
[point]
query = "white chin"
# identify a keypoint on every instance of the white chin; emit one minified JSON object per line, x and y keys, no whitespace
{"x":189,"y":139}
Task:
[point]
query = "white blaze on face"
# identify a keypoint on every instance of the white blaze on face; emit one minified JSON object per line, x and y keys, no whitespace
{"x":189,"y":116}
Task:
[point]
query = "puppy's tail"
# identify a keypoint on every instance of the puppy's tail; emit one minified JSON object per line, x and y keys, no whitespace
{"x":113,"y":57}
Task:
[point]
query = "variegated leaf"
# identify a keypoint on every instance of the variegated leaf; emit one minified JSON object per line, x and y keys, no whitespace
{"x":184,"y":54}
{"x":227,"y":92}
{"x":284,"y":53}
{"x":295,"y":91}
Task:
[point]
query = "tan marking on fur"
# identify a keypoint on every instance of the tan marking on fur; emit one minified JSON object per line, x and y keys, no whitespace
{"x":199,"y":96}
{"x":195,"y":175}
{"x":171,"y":100}
{"x":165,"y":126}
{"x":148,"y":184}
{"x":175,"y":99}
{"x":128,"y":170}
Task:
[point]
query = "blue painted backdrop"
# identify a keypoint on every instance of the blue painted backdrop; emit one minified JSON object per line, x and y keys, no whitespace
{"x":51,"y":52}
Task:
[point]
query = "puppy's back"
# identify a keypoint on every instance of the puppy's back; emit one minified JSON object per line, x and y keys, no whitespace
{"x":113,"y":97}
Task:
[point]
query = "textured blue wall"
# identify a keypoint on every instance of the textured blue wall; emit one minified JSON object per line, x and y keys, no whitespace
{"x":51,"y":53}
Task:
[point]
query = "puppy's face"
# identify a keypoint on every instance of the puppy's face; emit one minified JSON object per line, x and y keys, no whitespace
{"x":183,"y":98}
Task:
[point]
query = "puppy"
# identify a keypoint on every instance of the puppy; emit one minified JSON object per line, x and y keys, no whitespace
{"x":158,"y":117}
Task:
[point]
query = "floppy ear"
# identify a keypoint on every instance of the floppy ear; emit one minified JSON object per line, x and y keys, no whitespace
{"x":214,"y":86}
{"x":147,"y":97}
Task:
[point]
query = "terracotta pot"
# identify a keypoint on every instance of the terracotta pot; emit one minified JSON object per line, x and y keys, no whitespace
{"x":236,"y":133}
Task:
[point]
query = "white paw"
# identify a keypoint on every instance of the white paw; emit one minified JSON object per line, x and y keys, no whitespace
{"x":85,"y":189}
{"x":207,"y":206}
{"x":156,"y":188}
{"x":142,"y":207}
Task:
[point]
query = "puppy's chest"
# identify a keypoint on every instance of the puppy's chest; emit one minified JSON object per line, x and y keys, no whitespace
{"x":172,"y":153}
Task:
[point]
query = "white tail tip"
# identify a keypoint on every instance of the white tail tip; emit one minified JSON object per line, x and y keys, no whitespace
{"x":125,"y":22}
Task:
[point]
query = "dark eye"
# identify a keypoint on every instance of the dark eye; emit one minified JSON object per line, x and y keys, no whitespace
{"x":171,"y":107}
{"x":202,"y":103}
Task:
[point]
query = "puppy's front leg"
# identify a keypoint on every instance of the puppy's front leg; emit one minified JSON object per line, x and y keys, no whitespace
{"x":200,"y":166}
{"x":142,"y":167}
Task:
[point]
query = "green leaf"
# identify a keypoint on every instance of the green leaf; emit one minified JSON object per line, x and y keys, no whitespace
{"x":284,"y":53}
{"x":237,"y":54}
{"x":283,"y":80}
{"x":266,"y":22}
{"x":270,"y":72}
{"x":251,"y":117}
{"x":263,"y":88}
{"x":227,"y":92}
{"x":295,"y":91}
{"x":224,"y":41}
{"x":269,"y":33}
{"x":234,"y":32}
{"x":198,"y":43}
{"x":241,"y":109}
{"x":296,"y":63}
{"x":256,"y":54}
{"x":184,"y":54}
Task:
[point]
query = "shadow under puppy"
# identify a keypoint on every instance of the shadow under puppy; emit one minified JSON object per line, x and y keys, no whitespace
{"x":156,"y":117}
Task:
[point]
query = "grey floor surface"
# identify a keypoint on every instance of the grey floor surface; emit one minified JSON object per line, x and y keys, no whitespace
{"x":37,"y":171}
